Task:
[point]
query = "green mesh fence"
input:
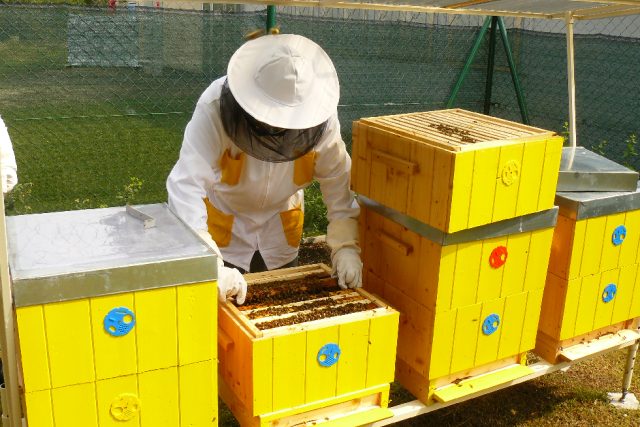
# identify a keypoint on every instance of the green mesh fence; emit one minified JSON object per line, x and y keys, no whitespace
{"x":96,"y":99}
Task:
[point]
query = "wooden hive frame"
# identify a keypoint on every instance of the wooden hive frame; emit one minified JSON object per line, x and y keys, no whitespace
{"x":455,"y":169}
{"x":457,"y":129}
{"x":273,"y":376}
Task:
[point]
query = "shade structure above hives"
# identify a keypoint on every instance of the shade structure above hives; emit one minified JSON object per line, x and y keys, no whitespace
{"x":542,"y":9}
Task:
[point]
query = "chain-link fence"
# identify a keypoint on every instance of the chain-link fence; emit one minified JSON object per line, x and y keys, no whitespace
{"x":96,"y":98}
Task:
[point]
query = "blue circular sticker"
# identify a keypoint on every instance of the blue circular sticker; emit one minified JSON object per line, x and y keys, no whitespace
{"x":490,"y":324}
{"x":329,"y":354}
{"x":619,"y":235}
{"x":119,"y":321}
{"x":609,"y":292}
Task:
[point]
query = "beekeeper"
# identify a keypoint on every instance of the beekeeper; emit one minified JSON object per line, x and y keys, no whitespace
{"x":257,"y":138}
{"x":8,"y":167}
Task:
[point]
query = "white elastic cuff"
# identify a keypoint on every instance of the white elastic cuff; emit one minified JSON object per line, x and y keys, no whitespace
{"x":343,"y":232}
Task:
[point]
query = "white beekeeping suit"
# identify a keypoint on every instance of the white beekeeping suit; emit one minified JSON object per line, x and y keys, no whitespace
{"x":8,"y":167}
{"x":257,"y":138}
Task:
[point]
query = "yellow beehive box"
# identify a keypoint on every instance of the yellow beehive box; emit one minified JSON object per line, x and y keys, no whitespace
{"x":301,"y":350}
{"x":469,"y":301}
{"x":591,"y":285}
{"x":454,"y":169}
{"x":116,"y":321}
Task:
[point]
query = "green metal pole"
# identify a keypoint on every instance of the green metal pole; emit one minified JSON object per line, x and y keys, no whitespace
{"x":490,"y":65}
{"x":271,"y":18}
{"x":514,"y":73}
{"x":467,"y":65}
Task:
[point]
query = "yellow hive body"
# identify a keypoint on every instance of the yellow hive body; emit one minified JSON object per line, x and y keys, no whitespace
{"x":454,"y":169}
{"x":587,"y":262}
{"x":445,"y":293}
{"x":273,"y":377}
{"x":79,"y":368}
{"x":74,"y":370}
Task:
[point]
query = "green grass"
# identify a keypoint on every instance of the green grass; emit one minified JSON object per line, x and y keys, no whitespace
{"x":577,"y":398}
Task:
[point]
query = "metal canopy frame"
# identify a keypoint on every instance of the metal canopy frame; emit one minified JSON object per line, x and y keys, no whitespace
{"x":539,"y":9}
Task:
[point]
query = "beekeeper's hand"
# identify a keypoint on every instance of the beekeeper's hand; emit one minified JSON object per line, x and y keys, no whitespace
{"x":231,"y":283}
{"x":230,"y":280}
{"x":347,"y":267}
{"x":8,"y":168}
{"x":342,"y":238}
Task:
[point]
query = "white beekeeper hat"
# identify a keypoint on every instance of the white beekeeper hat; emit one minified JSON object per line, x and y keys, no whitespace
{"x":285,"y":81}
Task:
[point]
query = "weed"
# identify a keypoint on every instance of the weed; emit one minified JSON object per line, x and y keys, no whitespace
{"x":130,"y":191}
{"x":629,"y":155}
{"x":82,"y":204}
{"x":315,"y":211}
{"x":601,"y":147}
{"x":17,"y":201}
{"x":565,"y":134}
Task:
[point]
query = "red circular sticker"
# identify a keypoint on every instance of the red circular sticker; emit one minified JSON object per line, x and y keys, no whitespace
{"x":498,"y":257}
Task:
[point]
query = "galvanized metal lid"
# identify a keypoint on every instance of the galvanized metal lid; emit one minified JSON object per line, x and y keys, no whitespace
{"x":521,"y":224}
{"x":63,"y":256}
{"x":584,"y":170}
{"x":588,"y":204}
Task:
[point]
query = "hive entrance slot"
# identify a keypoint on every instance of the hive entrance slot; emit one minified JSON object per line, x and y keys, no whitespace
{"x":300,"y":300}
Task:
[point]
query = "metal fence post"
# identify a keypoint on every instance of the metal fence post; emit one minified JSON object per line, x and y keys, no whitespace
{"x":271,"y":18}
{"x":467,"y":65}
{"x":514,"y":74}
{"x":490,"y":65}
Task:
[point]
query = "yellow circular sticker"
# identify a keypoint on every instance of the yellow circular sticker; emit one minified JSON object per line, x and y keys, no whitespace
{"x":510,"y":172}
{"x":125,"y":407}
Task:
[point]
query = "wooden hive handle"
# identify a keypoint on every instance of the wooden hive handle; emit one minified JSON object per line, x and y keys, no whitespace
{"x":401,"y":165}
{"x":225,"y":342}
{"x":402,"y":247}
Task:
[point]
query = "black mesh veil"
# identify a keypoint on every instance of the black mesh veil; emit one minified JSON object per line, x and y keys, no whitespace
{"x":260,"y":140}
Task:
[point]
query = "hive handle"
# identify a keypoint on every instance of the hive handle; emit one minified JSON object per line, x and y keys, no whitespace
{"x":225,"y":342}
{"x":396,"y":163}
{"x":402,"y":247}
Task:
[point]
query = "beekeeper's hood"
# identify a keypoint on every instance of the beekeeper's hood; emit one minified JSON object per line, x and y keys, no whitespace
{"x":280,"y":92}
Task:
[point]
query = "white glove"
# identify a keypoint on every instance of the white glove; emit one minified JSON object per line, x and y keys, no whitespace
{"x":342,"y":238}
{"x":230,"y":280}
{"x":347,"y":266}
{"x":8,"y":168}
{"x":231,"y":283}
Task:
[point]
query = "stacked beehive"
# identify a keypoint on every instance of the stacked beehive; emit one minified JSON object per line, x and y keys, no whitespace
{"x":301,"y":350}
{"x":116,"y":322}
{"x":592,"y":286}
{"x":456,"y":226}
